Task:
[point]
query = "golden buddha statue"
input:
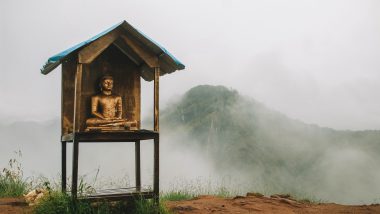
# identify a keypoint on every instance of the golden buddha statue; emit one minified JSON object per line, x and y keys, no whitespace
{"x":107,"y":109}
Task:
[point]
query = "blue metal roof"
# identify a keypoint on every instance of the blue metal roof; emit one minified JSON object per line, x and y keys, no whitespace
{"x":56,"y":60}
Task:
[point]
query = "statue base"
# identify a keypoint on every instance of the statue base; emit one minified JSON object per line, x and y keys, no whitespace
{"x":128,"y":126}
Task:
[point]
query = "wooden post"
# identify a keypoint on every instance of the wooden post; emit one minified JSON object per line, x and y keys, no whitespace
{"x":77,"y":112}
{"x":156,"y":98}
{"x":63,"y":166}
{"x":77,"y":97}
{"x":138,"y":165}
{"x":74,"y":185}
{"x":156,"y":174}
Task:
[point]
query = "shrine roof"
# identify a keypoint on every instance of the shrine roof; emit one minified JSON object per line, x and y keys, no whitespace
{"x":171,"y":63}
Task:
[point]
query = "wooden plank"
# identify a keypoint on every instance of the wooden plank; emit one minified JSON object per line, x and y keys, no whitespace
{"x":126,"y":50}
{"x":138,"y":165}
{"x":125,"y":136}
{"x":77,"y":98}
{"x":156,"y":173}
{"x":63,"y":166}
{"x":148,"y":57}
{"x":119,"y":197}
{"x":89,"y":53}
{"x":69,"y":68}
{"x":156,"y":98}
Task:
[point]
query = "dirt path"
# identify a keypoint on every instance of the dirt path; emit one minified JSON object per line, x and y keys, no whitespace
{"x":253,"y":203}
{"x":13,"y":206}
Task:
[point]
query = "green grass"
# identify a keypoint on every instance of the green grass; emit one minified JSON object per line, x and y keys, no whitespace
{"x":12,"y":187}
{"x":12,"y":183}
{"x":59,"y":203}
{"x":177,"y":196}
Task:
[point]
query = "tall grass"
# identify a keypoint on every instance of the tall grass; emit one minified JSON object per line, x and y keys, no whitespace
{"x":12,"y":183}
{"x":61,"y":203}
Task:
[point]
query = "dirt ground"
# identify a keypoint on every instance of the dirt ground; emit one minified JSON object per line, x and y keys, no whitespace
{"x":255,"y":203}
{"x":13,"y":206}
{"x":252,"y":203}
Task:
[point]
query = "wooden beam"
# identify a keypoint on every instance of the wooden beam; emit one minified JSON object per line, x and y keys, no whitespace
{"x":89,"y":53}
{"x":123,"y":47}
{"x":74,"y":182}
{"x":156,"y":173}
{"x":77,"y":97}
{"x":150,"y":59}
{"x":63,"y":166}
{"x":138,"y":165}
{"x":156,"y":99}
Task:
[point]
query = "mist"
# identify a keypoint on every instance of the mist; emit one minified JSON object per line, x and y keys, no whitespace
{"x":316,"y":62}
{"x":261,"y":150}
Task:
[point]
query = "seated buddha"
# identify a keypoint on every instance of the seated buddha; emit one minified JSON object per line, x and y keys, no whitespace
{"x":106,"y":109}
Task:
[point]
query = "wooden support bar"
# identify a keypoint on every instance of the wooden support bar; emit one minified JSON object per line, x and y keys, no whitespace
{"x":77,"y":97}
{"x":138,"y":165}
{"x":156,"y":98}
{"x":63,"y":166}
{"x":74,"y":185}
{"x":156,"y":174}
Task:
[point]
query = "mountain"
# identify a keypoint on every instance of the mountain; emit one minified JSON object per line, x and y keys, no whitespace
{"x":245,"y":139}
{"x":214,"y":131}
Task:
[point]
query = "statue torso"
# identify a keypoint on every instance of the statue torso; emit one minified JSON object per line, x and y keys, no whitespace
{"x":107,"y":105}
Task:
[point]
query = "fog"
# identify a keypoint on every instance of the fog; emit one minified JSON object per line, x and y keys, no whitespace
{"x":315,"y":61}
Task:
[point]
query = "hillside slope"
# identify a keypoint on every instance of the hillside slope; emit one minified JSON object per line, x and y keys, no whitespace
{"x":269,"y":151}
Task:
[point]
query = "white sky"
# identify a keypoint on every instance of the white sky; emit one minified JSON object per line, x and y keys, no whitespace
{"x":317,"y":61}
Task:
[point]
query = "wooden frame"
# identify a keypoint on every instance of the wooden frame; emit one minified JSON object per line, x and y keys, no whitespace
{"x":78,"y":136}
{"x":132,"y":56}
{"x":136,"y":137}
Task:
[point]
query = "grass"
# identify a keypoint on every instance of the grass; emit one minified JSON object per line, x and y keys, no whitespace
{"x":60,"y":203}
{"x":12,"y":183}
{"x":177,"y":196}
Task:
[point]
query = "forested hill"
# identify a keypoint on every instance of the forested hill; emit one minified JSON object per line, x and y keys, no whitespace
{"x":243,"y":135}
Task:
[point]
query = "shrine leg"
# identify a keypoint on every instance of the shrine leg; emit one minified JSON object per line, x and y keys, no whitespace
{"x":63,"y":166}
{"x":74,"y":186}
{"x":138,"y":165}
{"x":156,"y":174}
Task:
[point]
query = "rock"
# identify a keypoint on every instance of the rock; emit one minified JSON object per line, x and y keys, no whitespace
{"x":34,"y":197}
{"x":255,"y":194}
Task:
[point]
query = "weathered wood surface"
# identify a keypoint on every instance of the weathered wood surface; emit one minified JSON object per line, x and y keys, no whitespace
{"x":78,"y":98}
{"x":67,"y":95}
{"x":156,"y":98}
{"x":125,"y":136}
{"x":149,"y":57}
{"x":93,"y":50}
{"x":119,"y":194}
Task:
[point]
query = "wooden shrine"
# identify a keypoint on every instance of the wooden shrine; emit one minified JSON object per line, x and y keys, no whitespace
{"x":101,"y":98}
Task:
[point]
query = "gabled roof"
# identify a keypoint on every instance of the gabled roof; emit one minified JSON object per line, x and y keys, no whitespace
{"x":168,"y":63}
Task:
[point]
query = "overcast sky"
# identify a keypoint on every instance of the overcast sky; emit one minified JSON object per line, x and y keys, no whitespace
{"x":316,"y":61}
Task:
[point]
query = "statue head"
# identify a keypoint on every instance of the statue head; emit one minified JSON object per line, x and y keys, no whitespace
{"x":106,"y":83}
